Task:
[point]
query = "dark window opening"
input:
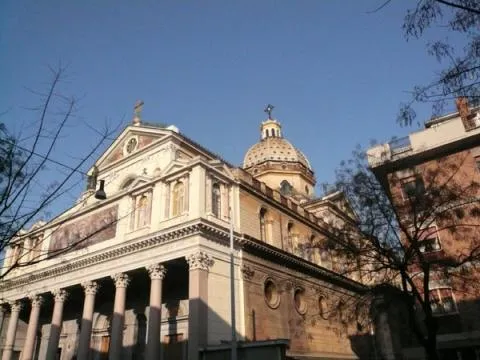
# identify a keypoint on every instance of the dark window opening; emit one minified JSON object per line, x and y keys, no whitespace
{"x":285,"y":188}
{"x":413,"y":188}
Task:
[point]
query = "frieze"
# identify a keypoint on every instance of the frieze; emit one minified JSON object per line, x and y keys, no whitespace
{"x":104,"y":256}
{"x":86,"y":231}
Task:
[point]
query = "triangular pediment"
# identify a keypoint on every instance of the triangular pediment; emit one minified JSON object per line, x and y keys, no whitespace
{"x":221,"y":167}
{"x":174,"y":166}
{"x":132,"y":140}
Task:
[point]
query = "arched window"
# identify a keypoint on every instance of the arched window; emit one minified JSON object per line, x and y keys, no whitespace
{"x":216,"y":200}
{"x":285,"y":187}
{"x":263,"y":224}
{"x":272,"y":132}
{"x":178,"y":199}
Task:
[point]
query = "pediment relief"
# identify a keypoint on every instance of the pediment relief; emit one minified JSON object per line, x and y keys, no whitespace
{"x":130,"y":142}
{"x":130,"y":145}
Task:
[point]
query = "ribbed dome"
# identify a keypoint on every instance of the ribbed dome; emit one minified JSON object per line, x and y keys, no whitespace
{"x":274,"y":149}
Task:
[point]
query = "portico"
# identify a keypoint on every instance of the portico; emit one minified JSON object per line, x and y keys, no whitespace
{"x":143,"y":311}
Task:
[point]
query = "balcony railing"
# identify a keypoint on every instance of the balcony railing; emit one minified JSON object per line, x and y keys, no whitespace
{"x":401,"y":145}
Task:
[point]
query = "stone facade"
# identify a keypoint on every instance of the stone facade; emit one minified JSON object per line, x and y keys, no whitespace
{"x":145,"y":274}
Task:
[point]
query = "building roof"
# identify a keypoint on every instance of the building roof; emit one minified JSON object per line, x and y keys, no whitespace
{"x":274,"y":149}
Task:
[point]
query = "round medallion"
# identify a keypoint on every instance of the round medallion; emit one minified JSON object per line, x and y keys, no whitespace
{"x":131,"y":145}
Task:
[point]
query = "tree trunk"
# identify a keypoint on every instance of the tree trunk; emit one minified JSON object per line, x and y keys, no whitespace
{"x":431,"y":341}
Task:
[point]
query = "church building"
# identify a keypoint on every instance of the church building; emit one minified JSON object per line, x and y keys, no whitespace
{"x":140,"y":267}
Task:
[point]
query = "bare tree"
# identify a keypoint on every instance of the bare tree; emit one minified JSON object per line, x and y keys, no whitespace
{"x":460,"y":76}
{"x":394,"y":242}
{"x":28,"y":158}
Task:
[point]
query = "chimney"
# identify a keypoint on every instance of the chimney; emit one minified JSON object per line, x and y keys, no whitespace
{"x":464,"y":112}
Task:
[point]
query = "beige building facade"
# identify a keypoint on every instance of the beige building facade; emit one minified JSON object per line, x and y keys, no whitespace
{"x":145,"y":272}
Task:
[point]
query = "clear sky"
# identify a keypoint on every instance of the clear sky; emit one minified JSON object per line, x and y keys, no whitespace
{"x":335,"y":72}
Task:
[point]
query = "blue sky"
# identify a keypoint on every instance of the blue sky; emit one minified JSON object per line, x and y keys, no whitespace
{"x":335,"y":72}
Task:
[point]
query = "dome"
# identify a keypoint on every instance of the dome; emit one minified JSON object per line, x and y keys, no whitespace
{"x":274,"y":149}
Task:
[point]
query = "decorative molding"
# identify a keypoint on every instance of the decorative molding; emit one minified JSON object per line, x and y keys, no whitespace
{"x":36,"y":300}
{"x":60,"y":295}
{"x":121,"y":280}
{"x":90,"y":287}
{"x":247,"y":272}
{"x":156,"y":271}
{"x":15,"y":306}
{"x":200,"y":260}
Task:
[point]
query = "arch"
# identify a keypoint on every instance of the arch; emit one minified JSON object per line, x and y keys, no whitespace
{"x":216,"y":200}
{"x":272,"y":132}
{"x":178,"y":199}
{"x":127,"y":182}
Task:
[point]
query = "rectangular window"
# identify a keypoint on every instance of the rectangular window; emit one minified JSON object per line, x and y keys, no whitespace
{"x":429,"y":241}
{"x":412,"y":188}
{"x":141,"y":210}
{"x":442,"y":301}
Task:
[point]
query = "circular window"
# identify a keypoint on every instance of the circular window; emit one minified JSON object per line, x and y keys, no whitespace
{"x":299,"y":300}
{"x":322,"y":307}
{"x":272,"y":297}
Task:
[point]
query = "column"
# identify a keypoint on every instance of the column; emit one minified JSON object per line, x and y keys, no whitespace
{"x":29,"y":346}
{"x":60,"y":296}
{"x":3,"y":311}
{"x":199,"y":263}
{"x":15,"y":307}
{"x":116,"y":340}
{"x":157,"y":274}
{"x":90,"y":288}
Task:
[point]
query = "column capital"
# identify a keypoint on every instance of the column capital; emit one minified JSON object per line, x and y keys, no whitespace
{"x":156,"y":271}
{"x":199,"y":260}
{"x":36,"y":300}
{"x":60,"y":295}
{"x":15,"y":306}
{"x":121,"y":280}
{"x":90,"y":287}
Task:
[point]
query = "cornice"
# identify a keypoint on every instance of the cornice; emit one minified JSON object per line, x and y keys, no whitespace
{"x":203,"y":227}
{"x":251,"y":245}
